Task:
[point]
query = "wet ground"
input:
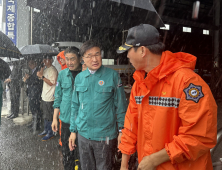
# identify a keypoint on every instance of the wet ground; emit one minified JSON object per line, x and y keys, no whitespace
{"x":21,"y":150}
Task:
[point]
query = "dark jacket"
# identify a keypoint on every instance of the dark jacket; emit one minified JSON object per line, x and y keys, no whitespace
{"x":34,"y":85}
{"x":16,"y":76}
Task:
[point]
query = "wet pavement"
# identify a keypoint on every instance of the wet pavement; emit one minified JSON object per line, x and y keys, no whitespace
{"x":21,"y":150}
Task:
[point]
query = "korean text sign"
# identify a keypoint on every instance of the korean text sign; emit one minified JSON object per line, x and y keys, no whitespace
{"x":11,"y":19}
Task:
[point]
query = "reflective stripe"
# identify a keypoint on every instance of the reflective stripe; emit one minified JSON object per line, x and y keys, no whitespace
{"x":164,"y":101}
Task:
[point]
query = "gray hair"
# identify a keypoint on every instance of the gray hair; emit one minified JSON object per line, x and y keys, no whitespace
{"x":72,"y":50}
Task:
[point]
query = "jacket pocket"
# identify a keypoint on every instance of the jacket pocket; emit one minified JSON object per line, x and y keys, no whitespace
{"x":82,"y":92}
{"x":67,"y":89}
{"x":104,"y":92}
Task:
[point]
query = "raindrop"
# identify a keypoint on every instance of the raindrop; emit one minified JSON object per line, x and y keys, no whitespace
{"x":107,"y":140}
{"x":94,"y":4}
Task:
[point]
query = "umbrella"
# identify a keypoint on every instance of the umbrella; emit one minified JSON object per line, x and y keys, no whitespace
{"x":110,"y":14}
{"x":8,"y":60}
{"x":4,"y":70}
{"x":7,"y":47}
{"x":38,"y":50}
{"x":107,"y":14}
{"x":143,"y":4}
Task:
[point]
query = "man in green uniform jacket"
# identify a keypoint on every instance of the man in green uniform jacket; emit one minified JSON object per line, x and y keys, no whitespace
{"x":98,"y":110}
{"x":62,"y":103}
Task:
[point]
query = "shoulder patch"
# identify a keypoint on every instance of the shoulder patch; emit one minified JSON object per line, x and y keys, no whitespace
{"x":193,"y":92}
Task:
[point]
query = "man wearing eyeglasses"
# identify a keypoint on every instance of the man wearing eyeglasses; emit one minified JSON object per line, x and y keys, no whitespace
{"x":98,"y":110}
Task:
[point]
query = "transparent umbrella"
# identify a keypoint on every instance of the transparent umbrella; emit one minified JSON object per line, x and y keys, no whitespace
{"x":38,"y":50}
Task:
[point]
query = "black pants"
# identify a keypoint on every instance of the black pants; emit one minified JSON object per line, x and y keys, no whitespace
{"x":70,"y":158}
{"x":34,"y":103}
{"x":15,"y":102}
{"x":47,"y":109}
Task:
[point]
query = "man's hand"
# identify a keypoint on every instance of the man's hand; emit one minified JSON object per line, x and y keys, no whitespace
{"x":7,"y":80}
{"x":39,"y":74}
{"x":146,"y":164}
{"x":124,"y":162}
{"x":25,"y":77}
{"x":119,"y":140}
{"x":72,"y":140}
{"x":55,"y":125}
{"x":152,"y":161}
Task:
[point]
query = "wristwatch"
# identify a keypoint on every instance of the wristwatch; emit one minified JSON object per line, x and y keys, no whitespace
{"x":120,"y":129}
{"x":43,"y":77}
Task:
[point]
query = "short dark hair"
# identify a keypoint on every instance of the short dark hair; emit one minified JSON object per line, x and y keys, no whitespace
{"x":47,"y":56}
{"x":72,"y":50}
{"x":155,"y":48}
{"x":88,"y":45}
{"x":32,"y":61}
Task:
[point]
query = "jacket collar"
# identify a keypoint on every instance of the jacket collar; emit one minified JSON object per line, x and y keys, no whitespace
{"x":98,"y":73}
{"x":68,"y":72}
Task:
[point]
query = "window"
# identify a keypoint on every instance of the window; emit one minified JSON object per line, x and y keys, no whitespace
{"x":206,"y":32}
{"x":186,"y":29}
{"x":108,"y":61}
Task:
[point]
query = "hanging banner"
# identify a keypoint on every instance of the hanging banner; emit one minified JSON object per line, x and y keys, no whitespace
{"x":11,"y":20}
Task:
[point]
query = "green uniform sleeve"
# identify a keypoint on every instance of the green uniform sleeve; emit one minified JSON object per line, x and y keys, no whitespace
{"x":58,"y":93}
{"x":119,"y":101}
{"x":74,"y":109}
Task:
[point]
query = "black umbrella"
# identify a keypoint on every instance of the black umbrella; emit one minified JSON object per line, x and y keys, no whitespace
{"x":4,"y":70}
{"x":7,"y":47}
{"x":121,"y":14}
{"x":38,"y":50}
{"x":143,"y":4}
{"x":110,"y":14}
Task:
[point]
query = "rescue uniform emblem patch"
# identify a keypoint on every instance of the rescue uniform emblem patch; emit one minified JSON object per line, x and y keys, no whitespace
{"x":193,"y":93}
{"x":101,"y":82}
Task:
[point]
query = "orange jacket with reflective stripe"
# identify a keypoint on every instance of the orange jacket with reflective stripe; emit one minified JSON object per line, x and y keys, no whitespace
{"x":172,"y":108}
{"x":61,"y":54}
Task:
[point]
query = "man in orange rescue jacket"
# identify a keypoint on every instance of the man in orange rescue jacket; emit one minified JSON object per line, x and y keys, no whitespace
{"x":171,"y":120}
{"x":62,"y":60}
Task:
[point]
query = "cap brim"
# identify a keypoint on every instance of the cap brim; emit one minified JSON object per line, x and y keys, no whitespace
{"x":123,"y":48}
